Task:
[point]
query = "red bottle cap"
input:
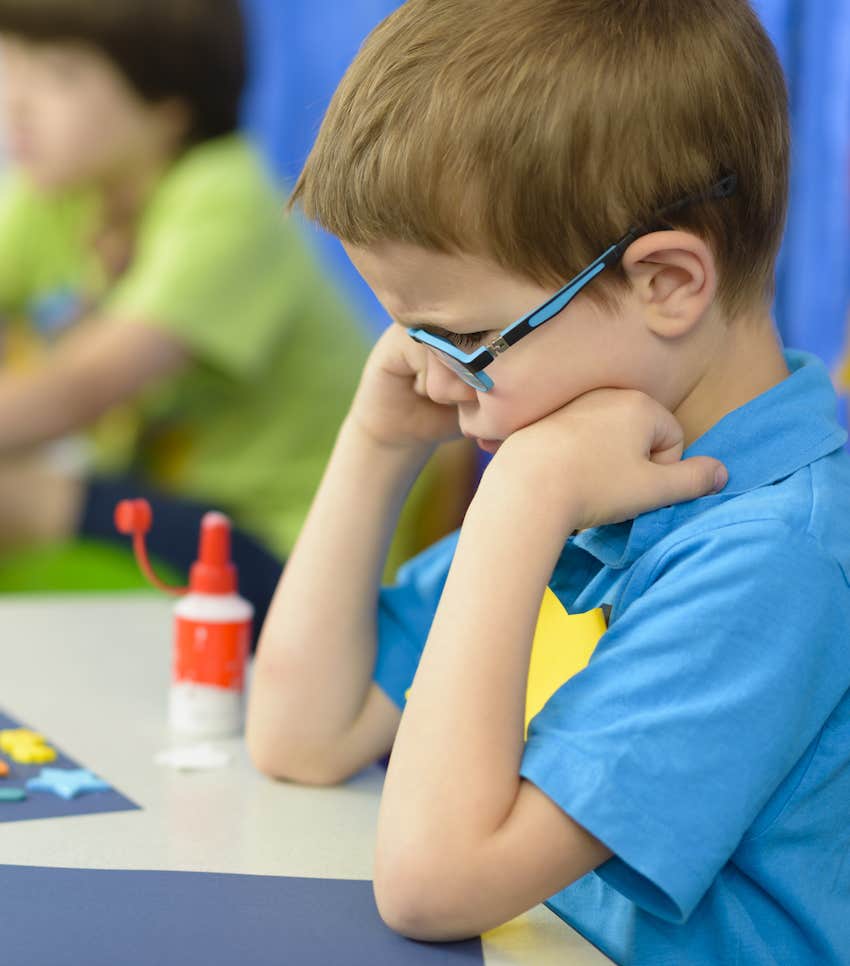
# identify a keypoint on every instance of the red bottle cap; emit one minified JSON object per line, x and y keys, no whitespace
{"x":133,"y":516}
{"x":213,"y":572}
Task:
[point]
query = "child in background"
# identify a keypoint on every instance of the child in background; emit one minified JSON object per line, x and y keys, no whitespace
{"x":177,"y":315}
{"x":614,"y":177}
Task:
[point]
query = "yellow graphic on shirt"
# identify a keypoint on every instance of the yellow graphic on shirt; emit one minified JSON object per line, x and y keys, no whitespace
{"x":562,"y":646}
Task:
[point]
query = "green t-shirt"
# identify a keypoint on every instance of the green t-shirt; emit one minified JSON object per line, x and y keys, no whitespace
{"x":248,"y":426}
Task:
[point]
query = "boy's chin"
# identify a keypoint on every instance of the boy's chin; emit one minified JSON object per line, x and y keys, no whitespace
{"x":43,"y":179}
{"x":54,"y":178}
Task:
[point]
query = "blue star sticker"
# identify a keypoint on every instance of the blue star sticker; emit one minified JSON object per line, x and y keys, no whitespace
{"x":66,"y":782}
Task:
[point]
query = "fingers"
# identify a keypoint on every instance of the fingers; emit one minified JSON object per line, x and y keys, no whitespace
{"x":419,"y":383}
{"x":667,"y":456}
{"x":667,"y":438}
{"x":414,"y":359}
{"x":691,"y":478}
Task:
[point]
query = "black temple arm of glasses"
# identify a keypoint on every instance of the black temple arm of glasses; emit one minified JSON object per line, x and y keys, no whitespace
{"x":724,"y":188}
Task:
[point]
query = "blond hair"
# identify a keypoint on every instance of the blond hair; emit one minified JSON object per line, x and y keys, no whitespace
{"x":537,"y":131}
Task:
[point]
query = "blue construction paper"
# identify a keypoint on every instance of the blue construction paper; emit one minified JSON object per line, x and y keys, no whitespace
{"x":96,"y":917}
{"x":39,"y":804}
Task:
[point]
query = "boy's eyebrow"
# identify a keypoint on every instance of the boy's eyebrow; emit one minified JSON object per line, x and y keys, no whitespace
{"x":411,"y":323}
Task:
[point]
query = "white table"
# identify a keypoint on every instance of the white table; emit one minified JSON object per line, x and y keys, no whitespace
{"x":92,"y":672}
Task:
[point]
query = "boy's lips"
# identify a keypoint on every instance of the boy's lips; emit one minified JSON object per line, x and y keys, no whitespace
{"x":482,"y":442}
{"x":488,"y":445}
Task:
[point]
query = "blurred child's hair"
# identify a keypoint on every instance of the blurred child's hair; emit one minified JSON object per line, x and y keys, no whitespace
{"x":538,"y":131}
{"x":190,"y":49}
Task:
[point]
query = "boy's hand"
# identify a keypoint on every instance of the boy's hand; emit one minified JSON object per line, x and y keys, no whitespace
{"x":608,"y":456}
{"x":391,"y":404}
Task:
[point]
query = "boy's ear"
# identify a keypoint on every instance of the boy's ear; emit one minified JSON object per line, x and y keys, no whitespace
{"x":673,"y":273}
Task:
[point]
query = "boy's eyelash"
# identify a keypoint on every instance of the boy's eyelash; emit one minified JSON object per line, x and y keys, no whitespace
{"x":467,"y":340}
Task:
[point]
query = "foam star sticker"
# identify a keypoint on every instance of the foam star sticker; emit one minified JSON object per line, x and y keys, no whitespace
{"x":66,"y":782}
{"x":26,"y":746}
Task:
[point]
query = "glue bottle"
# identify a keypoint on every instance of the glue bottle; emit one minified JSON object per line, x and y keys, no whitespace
{"x":212,"y":628}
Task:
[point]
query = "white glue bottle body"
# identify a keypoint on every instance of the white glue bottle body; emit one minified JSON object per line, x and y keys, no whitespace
{"x":212,"y":641}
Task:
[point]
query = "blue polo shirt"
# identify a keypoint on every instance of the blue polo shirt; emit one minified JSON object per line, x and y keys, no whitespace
{"x":707,"y":742}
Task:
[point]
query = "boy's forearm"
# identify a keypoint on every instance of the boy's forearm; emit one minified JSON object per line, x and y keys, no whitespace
{"x":35,"y":408}
{"x":100,"y":364}
{"x":454,"y":775}
{"x":316,"y":654}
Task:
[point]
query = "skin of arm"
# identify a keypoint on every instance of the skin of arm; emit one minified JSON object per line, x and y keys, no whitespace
{"x":463,"y":843}
{"x":98,"y":365}
{"x":314,"y":715}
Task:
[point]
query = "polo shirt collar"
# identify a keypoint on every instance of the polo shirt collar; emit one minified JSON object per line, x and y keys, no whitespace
{"x":767,"y":439}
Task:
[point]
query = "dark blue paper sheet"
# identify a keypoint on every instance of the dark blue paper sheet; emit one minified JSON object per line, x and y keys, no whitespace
{"x":95,"y":917}
{"x":46,"y":804}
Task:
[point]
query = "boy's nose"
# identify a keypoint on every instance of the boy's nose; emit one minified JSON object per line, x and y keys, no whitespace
{"x":444,"y":386}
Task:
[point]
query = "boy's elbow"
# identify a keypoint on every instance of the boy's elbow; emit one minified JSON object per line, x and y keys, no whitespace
{"x":417,"y":899}
{"x":404,"y":901}
{"x":301,"y":766}
{"x":264,"y":757}
{"x":278,"y":745}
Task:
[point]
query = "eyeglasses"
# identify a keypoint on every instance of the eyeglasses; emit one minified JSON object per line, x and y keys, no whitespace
{"x":470,"y":366}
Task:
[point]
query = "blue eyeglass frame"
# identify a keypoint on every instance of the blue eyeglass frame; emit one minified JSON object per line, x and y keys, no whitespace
{"x":469,"y":366}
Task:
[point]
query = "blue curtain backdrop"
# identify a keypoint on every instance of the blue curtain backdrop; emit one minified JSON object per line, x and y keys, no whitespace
{"x":813,"y":286}
{"x":301,"y":50}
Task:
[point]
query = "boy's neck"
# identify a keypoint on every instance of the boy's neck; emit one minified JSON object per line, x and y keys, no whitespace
{"x":748,"y":362}
{"x":124,"y":195}
{"x":123,"y":199}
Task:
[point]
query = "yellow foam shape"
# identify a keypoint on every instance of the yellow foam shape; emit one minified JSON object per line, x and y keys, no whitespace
{"x":25,"y":746}
{"x":34,"y":754}
{"x":562,"y":646}
{"x":12,"y":737}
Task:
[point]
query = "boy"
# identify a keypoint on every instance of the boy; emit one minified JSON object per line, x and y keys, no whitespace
{"x":685,"y":798}
{"x":175,"y":315}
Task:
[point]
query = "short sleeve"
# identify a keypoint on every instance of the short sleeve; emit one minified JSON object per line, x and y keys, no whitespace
{"x":406,"y":610}
{"x":216,"y":265}
{"x":18,"y":213}
{"x":696,"y":705}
